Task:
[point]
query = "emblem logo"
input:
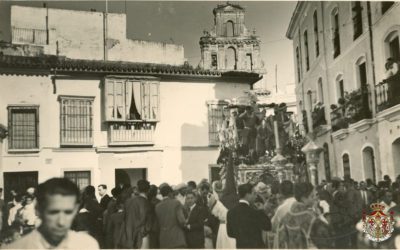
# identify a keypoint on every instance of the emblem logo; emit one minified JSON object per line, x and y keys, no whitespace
{"x":378,"y":226}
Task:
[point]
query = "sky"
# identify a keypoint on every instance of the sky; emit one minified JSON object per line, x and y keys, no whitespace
{"x":183,"y":22}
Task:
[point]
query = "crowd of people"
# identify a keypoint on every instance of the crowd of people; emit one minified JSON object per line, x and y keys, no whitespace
{"x":272,"y":215}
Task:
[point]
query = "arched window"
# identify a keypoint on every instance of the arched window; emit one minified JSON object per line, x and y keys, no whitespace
{"x":327,"y":162}
{"x":339,"y":87}
{"x":305,"y":37}
{"x":230,"y":60}
{"x":346,"y":165}
{"x":320,"y":91}
{"x":392,"y":46}
{"x":230,"y":29}
{"x":316,"y":36}
{"x":369,"y":163}
{"x":357,"y":19}
{"x":335,"y":32}
{"x":298,"y":64}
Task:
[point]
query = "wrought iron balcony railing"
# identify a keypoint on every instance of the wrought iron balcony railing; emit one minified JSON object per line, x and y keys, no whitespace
{"x":387,"y":93}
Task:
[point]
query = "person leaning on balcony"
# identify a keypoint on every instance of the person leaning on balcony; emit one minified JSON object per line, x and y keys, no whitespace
{"x":392,"y":67}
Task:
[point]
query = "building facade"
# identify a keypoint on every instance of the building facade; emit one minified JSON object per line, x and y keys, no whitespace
{"x":230,"y":45}
{"x":340,"y":50}
{"x":110,"y":122}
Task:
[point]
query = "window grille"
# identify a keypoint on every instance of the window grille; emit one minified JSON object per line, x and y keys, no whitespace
{"x":80,"y":178}
{"x":23,"y":123}
{"x":306,"y":50}
{"x":76,"y":120}
{"x":216,"y":115}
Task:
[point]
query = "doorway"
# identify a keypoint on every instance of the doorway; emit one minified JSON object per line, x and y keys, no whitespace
{"x":129,"y":176}
{"x":19,"y":182}
{"x":369,"y":163}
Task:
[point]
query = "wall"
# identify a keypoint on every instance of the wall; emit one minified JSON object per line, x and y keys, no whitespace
{"x":181,"y":149}
{"x":87,"y":42}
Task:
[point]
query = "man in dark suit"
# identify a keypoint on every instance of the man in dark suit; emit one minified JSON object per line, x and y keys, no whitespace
{"x":137,"y":212}
{"x":171,"y":220}
{"x":244,"y":223}
{"x":104,"y":198}
{"x":211,"y":221}
{"x":194,"y":223}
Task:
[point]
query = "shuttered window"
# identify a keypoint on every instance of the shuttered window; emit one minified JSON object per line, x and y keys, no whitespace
{"x":23,"y":124}
{"x":216,"y":115}
{"x":130,"y":100}
{"x":76,"y":120}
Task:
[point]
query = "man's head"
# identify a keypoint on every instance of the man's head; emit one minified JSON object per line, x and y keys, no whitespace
{"x":286,"y":188}
{"x":165,"y":190}
{"x":387,"y":197}
{"x":191,"y":185}
{"x":28,"y":199}
{"x":191,"y":198}
{"x":204,"y":188}
{"x":57,"y":205}
{"x":17,"y":199}
{"x":31,"y":190}
{"x":116,"y":192}
{"x":249,"y":110}
{"x":362,"y":185}
{"x":143,"y":186}
{"x":304,"y":192}
{"x":246,"y":192}
{"x":102,"y":189}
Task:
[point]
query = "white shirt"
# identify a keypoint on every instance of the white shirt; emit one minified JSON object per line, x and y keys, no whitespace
{"x":13,"y":213}
{"x":29,"y":214}
{"x":244,"y":201}
{"x":281,"y":211}
{"x":73,"y":240}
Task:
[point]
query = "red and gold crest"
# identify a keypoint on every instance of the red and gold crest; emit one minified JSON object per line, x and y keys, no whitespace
{"x":378,"y":226}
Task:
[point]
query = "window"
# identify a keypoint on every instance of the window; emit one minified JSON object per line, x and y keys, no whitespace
{"x":393,"y":46}
{"x":327,"y":162}
{"x":216,"y":115}
{"x":320,"y":90}
{"x":214,"y":61}
{"x":316,"y":36}
{"x":357,"y":19}
{"x":386,"y":5}
{"x":362,"y":74}
{"x":346,"y":166}
{"x":76,"y":121}
{"x":130,"y":100}
{"x":80,"y":178}
{"x":23,"y":124}
{"x":306,"y":50}
{"x":298,"y":64}
{"x":230,"y":59}
{"x":335,"y":33}
{"x":230,"y":29}
{"x":249,"y":62}
{"x":340,"y":86}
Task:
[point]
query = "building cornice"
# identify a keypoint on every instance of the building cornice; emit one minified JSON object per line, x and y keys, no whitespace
{"x":295,"y":19}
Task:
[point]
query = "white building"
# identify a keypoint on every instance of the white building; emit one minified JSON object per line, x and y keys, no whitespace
{"x":72,"y":113}
{"x":342,"y":47}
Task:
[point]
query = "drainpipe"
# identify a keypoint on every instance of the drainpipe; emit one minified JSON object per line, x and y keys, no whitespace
{"x":371,"y":46}
{"x":105,"y":32}
{"x":301,"y":73}
{"x":327,"y":81}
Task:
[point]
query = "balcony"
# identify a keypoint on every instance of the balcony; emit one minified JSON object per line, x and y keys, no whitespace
{"x":129,"y":134}
{"x":388,"y":93}
{"x":29,"y":36}
{"x":318,"y":116}
{"x":353,"y":108}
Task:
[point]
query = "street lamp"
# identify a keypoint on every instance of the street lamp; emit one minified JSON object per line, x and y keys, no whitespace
{"x":312,"y":151}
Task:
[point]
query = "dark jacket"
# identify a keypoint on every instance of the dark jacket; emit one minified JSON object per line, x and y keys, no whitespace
{"x":137,"y":221}
{"x":195,"y":228}
{"x":245,"y":224}
{"x":114,"y":230}
{"x":104,"y":202}
{"x":171,"y":222}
